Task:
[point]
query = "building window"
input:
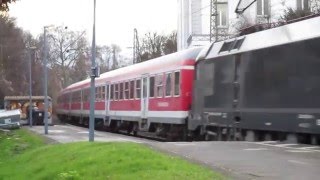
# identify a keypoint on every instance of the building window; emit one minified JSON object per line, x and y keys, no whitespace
{"x":168,"y":84}
{"x":303,"y":4}
{"x":138,"y":90}
{"x":151,"y":88}
{"x":176,"y":83}
{"x":222,"y":14}
{"x":159,"y":85}
{"x":262,"y":7}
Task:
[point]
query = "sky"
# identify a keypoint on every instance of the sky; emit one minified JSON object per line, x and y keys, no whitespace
{"x":115,"y":19}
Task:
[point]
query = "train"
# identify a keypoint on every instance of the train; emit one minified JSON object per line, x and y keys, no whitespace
{"x":259,"y":86}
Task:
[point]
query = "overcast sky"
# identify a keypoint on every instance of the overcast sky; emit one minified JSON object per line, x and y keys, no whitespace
{"x":115,"y":18}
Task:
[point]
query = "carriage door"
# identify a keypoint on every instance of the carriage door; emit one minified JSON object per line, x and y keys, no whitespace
{"x":107,"y":98}
{"x":144,"y":96}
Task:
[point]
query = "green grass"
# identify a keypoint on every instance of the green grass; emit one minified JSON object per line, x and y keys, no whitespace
{"x":16,"y":142}
{"x":94,"y":161}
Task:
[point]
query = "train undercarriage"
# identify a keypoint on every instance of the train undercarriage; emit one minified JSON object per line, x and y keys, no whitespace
{"x":159,"y":131}
{"x":180,"y":132}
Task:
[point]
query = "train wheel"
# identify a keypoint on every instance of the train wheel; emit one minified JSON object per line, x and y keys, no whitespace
{"x":135,"y":129}
{"x":314,"y":140}
{"x":267,"y":137}
{"x":250,"y":136}
{"x":130,"y":128}
{"x":292,"y":138}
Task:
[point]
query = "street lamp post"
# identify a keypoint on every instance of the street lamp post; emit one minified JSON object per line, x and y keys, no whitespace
{"x":45,"y":80}
{"x":94,"y":74}
{"x":30,"y":85}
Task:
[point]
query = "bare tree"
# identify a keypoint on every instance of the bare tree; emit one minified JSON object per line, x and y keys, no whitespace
{"x":65,"y":48}
{"x":170,"y":44}
{"x":152,"y":44}
{"x":80,"y":71}
{"x":104,"y":56}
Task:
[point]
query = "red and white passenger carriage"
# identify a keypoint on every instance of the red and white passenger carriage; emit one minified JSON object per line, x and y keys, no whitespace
{"x":152,"y":96}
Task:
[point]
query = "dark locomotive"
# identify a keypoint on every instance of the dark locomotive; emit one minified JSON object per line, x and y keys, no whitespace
{"x":263,"y":86}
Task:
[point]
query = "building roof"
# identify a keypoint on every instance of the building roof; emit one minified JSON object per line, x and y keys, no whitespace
{"x":10,"y":98}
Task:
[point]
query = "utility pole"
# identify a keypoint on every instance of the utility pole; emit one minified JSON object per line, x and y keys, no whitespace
{"x":136,"y":47}
{"x":213,"y":21}
{"x":45,"y":80}
{"x":30,"y":89}
{"x":114,"y":58}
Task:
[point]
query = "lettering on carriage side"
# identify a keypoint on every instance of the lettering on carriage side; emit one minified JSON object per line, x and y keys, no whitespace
{"x":305,"y":116}
{"x":214,"y":113}
{"x":163,"y":104}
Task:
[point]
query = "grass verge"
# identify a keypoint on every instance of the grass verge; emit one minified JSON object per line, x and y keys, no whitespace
{"x":93,"y":161}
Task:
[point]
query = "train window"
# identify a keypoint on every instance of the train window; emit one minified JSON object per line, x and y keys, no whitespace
{"x":151,"y":88}
{"x":159,"y":84}
{"x":231,"y":45}
{"x":226,"y":46}
{"x":168,"y":84}
{"x":121,"y":91}
{"x":177,"y":83}
{"x":126,"y":90}
{"x":99,"y":93}
{"x":131,"y":89}
{"x":106,"y":92}
{"x":111,"y":92}
{"x":138,"y":89}
{"x":96,"y":93}
{"x":102,"y":95}
{"x":238,"y":43}
{"x":83,"y":95}
{"x":88,"y":94}
{"x":77,"y":96}
{"x":116,"y":91}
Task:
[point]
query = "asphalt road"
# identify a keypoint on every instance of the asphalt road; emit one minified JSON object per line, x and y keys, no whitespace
{"x":239,"y":160}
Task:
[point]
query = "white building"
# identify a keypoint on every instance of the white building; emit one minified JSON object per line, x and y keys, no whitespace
{"x":194,"y":17}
